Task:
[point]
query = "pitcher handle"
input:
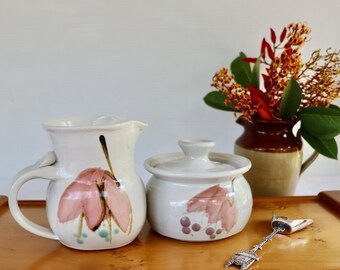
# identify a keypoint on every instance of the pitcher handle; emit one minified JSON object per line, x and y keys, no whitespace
{"x":41,"y":169}
{"x":309,"y":161}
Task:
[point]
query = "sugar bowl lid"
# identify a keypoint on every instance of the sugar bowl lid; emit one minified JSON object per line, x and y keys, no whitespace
{"x":196,"y":161}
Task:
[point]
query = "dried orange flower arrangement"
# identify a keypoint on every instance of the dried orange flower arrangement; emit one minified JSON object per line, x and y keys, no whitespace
{"x":292,"y":89}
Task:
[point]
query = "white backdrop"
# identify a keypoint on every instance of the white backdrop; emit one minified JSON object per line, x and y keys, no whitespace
{"x":149,"y":60}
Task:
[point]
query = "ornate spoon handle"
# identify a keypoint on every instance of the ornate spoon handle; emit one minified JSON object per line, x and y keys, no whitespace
{"x":246,"y":258}
{"x":281,"y":225}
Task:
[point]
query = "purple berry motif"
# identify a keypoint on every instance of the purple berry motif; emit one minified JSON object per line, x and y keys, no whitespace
{"x":209,"y":231}
{"x":196,"y":227}
{"x":219,"y":231}
{"x":185,"y":221}
{"x":186,"y":230}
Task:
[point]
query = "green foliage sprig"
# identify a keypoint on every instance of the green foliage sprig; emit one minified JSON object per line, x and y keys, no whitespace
{"x":292,"y":89}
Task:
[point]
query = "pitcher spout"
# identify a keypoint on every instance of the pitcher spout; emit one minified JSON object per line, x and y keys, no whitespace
{"x":140,"y":125}
{"x":134,"y":128}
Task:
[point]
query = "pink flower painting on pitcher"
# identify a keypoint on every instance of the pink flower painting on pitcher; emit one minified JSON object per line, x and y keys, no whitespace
{"x":96,"y":196}
{"x":218,"y":205}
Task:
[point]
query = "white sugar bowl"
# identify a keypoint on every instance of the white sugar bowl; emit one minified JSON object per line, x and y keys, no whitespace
{"x":197,"y":195}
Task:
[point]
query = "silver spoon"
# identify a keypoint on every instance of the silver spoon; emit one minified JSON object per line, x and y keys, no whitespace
{"x":281,"y":225}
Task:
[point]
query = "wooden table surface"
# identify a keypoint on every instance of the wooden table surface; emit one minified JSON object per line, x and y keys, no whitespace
{"x":316,"y":247}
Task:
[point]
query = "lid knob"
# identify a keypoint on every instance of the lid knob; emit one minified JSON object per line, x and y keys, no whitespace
{"x":196,"y":149}
{"x":196,"y":162}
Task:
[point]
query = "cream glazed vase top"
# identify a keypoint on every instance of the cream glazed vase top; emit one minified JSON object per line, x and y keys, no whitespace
{"x":198,"y":195}
{"x":276,"y":156}
{"x":95,"y":200}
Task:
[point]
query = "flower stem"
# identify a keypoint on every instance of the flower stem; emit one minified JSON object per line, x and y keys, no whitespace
{"x":110,"y":226}
{"x":80,"y":226}
{"x":107,"y":157}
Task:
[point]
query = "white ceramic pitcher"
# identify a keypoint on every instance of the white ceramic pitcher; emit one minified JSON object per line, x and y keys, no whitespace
{"x":95,"y":200}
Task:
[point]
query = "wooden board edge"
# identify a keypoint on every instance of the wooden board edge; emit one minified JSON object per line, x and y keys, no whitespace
{"x":3,"y":204}
{"x":331,"y":198}
{"x":3,"y":201}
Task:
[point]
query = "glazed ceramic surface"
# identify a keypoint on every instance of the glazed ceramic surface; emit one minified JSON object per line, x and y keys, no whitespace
{"x":272,"y":174}
{"x":276,"y":156}
{"x":197,"y":196}
{"x":95,"y":200}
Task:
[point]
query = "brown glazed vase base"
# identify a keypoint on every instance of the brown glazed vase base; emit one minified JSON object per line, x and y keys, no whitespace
{"x":272,"y":174}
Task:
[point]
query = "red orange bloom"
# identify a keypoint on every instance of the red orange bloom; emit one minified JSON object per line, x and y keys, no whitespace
{"x":317,"y":77}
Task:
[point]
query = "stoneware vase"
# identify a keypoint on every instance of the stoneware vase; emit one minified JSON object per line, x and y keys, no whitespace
{"x":197,"y":196}
{"x":95,"y":200}
{"x":276,"y":156}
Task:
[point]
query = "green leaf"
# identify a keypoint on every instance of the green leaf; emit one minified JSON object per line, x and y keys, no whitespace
{"x":241,"y":70}
{"x":326,"y":147}
{"x":291,"y":100}
{"x":255,"y":78}
{"x":216,"y":99}
{"x":334,"y":107}
{"x":321,"y":122}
